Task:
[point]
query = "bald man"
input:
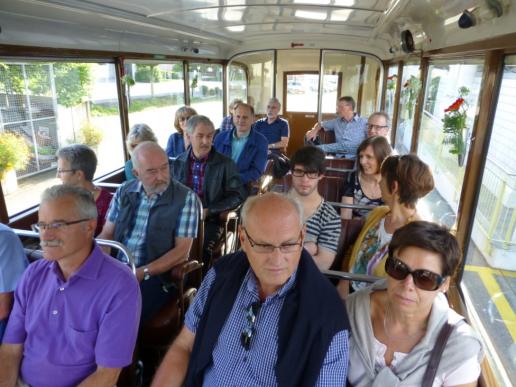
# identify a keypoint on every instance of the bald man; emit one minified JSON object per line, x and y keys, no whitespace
{"x":156,"y":218}
{"x":264,"y":316}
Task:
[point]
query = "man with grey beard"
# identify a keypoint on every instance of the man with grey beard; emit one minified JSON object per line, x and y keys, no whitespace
{"x":156,"y":218}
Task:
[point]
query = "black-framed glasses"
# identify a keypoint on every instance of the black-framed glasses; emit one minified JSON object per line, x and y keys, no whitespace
{"x":372,"y":126}
{"x":301,"y":172}
{"x":60,"y":171}
{"x":423,"y":279}
{"x":266,"y":248}
{"x":247,"y":334}
{"x":55,"y":225}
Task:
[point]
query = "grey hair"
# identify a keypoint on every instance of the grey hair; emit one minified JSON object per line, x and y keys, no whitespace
{"x":140,"y":133}
{"x":234,"y":103}
{"x":81,"y":158}
{"x":83,"y":199}
{"x":141,"y":147}
{"x":193,"y":121}
{"x":251,"y":202}
{"x":384,"y":115}
{"x":274,"y":99}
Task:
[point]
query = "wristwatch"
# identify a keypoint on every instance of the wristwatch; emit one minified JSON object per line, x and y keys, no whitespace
{"x":146,"y":273}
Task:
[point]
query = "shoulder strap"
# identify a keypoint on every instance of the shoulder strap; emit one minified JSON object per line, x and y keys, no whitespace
{"x":435,"y":356}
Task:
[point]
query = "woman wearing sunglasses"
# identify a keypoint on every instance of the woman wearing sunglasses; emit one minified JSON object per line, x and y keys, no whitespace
{"x":178,"y":142}
{"x":396,"y":322}
{"x":404,"y":180}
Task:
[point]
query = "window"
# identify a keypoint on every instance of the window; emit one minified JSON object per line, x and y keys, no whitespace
{"x":489,"y":277}
{"x":410,"y":88}
{"x":237,"y":82}
{"x":392,"y":83}
{"x":157,"y":93}
{"x":206,"y":90}
{"x":46,"y":105}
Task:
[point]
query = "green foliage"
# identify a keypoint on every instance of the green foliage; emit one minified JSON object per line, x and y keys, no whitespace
{"x":454,"y":123}
{"x":73,"y":81}
{"x":136,"y":105}
{"x":410,"y":93}
{"x":147,"y":73}
{"x":11,"y":79}
{"x":90,"y":135}
{"x":14,"y":152}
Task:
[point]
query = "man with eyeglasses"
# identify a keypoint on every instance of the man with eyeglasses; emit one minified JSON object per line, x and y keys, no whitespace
{"x":264,"y":316}
{"x":76,"y":312}
{"x":321,"y":220}
{"x":350,"y":130}
{"x":156,"y":217}
{"x":378,"y":125}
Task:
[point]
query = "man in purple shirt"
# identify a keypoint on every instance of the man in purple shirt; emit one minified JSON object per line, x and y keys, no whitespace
{"x":76,"y":312}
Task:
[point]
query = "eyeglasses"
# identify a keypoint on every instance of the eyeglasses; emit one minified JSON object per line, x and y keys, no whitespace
{"x":60,"y":171}
{"x":423,"y":279}
{"x":247,"y":334}
{"x":184,"y":118}
{"x":302,"y":172}
{"x":267,"y":249}
{"x":55,"y":225}
{"x":372,"y":126}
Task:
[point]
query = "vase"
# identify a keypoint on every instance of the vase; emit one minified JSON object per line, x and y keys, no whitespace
{"x":9,"y":182}
{"x":460,"y":159}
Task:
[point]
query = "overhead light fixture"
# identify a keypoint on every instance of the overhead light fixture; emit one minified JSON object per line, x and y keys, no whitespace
{"x":344,"y":3}
{"x":407,"y":42}
{"x":236,"y":28}
{"x":340,"y":15}
{"x":210,"y":14}
{"x":310,"y":15}
{"x":489,"y":10}
{"x":234,"y":14}
{"x":315,"y":2}
{"x":452,"y":20}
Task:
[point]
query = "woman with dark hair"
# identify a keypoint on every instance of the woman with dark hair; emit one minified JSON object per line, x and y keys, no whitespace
{"x":398,"y":323}
{"x":363,"y":186}
{"x":178,"y":142}
{"x":405,"y":179}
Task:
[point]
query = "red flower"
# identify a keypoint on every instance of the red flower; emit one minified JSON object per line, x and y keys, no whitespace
{"x":454,"y":106}
{"x":392,"y":77}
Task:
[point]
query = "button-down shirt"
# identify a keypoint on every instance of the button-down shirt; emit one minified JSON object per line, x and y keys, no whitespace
{"x":227,"y":123}
{"x":237,"y":145}
{"x":348,"y":135}
{"x":68,"y":328}
{"x":233,"y":365}
{"x":135,"y":239}
{"x":197,"y":168}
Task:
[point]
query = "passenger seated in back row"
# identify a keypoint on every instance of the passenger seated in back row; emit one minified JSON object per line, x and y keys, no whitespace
{"x":405,"y":179}
{"x":321,"y":220}
{"x":212,"y":176}
{"x":178,"y":142}
{"x":76,"y":312}
{"x":137,"y":134}
{"x":246,"y":147}
{"x":156,"y":218}
{"x":76,"y":165}
{"x":274,"y":128}
{"x":363,"y":186}
{"x":396,"y":323}
{"x":264,"y":316}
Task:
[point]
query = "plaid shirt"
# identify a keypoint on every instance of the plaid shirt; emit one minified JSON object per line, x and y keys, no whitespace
{"x":227,"y":123}
{"x":135,"y":239}
{"x":196,"y":168}
{"x":348,"y":135}
{"x":233,"y":365}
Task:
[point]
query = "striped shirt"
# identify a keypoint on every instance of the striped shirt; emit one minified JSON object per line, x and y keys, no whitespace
{"x":135,"y":239}
{"x":348,"y":135}
{"x":323,"y":227}
{"x":233,"y":365}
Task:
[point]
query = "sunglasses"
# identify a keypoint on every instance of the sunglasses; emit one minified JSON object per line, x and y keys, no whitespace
{"x":248,"y":333}
{"x":423,"y":279}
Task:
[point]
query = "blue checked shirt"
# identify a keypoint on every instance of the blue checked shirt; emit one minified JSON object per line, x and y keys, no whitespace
{"x":135,"y":239}
{"x":348,"y":135}
{"x":235,"y":366}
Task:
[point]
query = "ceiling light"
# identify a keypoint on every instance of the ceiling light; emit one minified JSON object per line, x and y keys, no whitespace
{"x":236,"y":28}
{"x":344,"y":3}
{"x":210,"y":14}
{"x":340,"y":15}
{"x":310,"y":15}
{"x":317,"y":2}
{"x":234,"y":14}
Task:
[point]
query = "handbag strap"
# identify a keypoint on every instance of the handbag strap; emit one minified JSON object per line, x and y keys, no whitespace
{"x":435,"y":356}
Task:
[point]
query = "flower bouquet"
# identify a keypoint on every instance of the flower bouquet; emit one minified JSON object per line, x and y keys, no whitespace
{"x":454,"y":125}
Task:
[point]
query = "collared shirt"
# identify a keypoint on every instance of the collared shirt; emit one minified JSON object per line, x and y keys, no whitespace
{"x":68,"y":328}
{"x":232,"y":364}
{"x":227,"y":123}
{"x":135,"y":239}
{"x":348,"y":135}
{"x":237,"y":145}
{"x":272,"y":132}
{"x":13,"y":262}
{"x":197,"y":167}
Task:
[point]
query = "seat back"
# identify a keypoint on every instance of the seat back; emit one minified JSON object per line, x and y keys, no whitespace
{"x":326,"y":136}
{"x":350,"y":228}
{"x":331,"y":188}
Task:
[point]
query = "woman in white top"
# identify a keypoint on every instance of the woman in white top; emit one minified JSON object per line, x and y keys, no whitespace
{"x":395,"y":323}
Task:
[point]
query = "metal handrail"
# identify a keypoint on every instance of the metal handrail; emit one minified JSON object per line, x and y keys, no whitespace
{"x":342,"y":275}
{"x":343,"y":170}
{"x":351,"y":206}
{"x":101,"y":242}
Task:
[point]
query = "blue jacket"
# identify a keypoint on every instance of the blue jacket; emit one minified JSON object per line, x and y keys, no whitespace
{"x":252,"y":160}
{"x":175,"y":145}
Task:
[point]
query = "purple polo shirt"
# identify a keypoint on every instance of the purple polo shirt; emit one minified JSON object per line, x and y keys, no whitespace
{"x":68,"y":328}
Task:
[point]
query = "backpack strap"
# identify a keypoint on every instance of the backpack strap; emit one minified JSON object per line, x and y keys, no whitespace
{"x":435,"y":356}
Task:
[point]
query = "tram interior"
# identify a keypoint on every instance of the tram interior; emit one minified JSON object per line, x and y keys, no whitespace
{"x":86,"y":71}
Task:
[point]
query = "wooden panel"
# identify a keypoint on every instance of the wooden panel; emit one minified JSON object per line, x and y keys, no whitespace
{"x":299,"y":124}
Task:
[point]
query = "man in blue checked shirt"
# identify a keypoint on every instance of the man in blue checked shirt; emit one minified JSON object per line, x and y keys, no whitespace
{"x":350,"y":130}
{"x":264,"y":316}
{"x":157,"y":219}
